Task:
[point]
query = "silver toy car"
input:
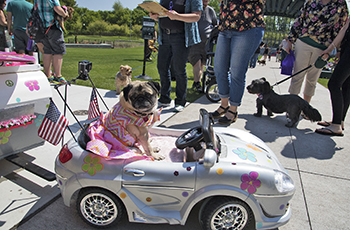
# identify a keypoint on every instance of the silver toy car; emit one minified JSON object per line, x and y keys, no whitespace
{"x":236,"y":178}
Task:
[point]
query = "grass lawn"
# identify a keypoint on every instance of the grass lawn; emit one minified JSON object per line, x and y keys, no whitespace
{"x":106,"y":63}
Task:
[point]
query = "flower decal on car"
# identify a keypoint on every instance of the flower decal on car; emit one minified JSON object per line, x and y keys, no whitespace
{"x":244,"y":154}
{"x":250,"y":182}
{"x":4,"y":137}
{"x":92,"y":165}
{"x":32,"y":85}
{"x":38,"y":120}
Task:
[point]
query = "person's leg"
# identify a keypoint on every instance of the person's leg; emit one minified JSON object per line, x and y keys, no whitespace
{"x":57,"y":60}
{"x":255,"y":59}
{"x":197,"y":71}
{"x":58,"y":49}
{"x":221,"y":68}
{"x":338,"y":86}
{"x":302,"y":60}
{"x":312,"y":75}
{"x":180,"y":55}
{"x":47,"y":60}
{"x":243,"y":45}
{"x":163,"y":66}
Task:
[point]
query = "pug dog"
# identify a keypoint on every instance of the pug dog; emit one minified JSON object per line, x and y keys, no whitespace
{"x":141,"y":99}
{"x":122,"y":78}
{"x":62,"y":19}
{"x":275,"y":103}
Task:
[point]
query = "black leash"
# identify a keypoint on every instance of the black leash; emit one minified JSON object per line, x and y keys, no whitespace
{"x":277,"y":83}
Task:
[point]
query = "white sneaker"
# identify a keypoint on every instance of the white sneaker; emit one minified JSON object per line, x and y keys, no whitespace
{"x":178,"y":108}
{"x":160,"y":104}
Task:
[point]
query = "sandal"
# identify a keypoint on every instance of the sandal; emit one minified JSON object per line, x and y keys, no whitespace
{"x":328,"y":131}
{"x":225,"y":121}
{"x":328,"y":123}
{"x":216,"y":114}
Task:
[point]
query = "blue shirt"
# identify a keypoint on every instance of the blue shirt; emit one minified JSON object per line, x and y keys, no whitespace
{"x":46,"y":11}
{"x":191,"y":29}
{"x":21,"y":11}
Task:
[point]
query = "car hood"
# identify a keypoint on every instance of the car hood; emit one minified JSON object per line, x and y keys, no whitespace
{"x":239,"y":146}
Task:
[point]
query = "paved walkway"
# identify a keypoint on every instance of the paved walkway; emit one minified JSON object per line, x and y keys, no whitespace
{"x":318,"y":164}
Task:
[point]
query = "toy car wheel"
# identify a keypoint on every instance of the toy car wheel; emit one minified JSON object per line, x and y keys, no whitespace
{"x":99,"y":208}
{"x":212,"y":92}
{"x":227,"y":213}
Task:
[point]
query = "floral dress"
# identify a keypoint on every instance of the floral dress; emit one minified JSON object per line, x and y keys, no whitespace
{"x":319,"y":22}
{"x":109,"y":137}
{"x":241,"y":15}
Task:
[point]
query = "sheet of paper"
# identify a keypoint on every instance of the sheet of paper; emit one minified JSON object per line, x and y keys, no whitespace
{"x":154,"y":7}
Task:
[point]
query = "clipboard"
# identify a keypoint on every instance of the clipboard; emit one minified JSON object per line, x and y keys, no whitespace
{"x":154,"y":8}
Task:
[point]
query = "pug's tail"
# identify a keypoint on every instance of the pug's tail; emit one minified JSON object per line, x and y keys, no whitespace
{"x":311,"y":112}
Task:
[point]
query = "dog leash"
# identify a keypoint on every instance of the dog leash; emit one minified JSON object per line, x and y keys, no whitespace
{"x":319,"y":64}
{"x":277,"y":83}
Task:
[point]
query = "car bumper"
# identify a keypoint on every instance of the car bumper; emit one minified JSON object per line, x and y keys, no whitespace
{"x":67,"y":182}
{"x":263,"y":222}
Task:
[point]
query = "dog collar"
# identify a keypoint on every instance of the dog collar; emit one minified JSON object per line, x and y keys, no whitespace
{"x":260,"y":96}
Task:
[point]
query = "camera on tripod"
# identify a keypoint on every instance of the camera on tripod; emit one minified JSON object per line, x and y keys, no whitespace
{"x":84,"y":70}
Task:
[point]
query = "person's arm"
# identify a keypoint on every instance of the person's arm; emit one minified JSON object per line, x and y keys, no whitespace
{"x":2,"y":18}
{"x":337,"y":41}
{"x":60,"y":11}
{"x":9,"y":22}
{"x":185,"y":17}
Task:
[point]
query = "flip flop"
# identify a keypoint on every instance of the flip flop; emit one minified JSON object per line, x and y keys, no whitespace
{"x":326,"y":123}
{"x":327,"y":131}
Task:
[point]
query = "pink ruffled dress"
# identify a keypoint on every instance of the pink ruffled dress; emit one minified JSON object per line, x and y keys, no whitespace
{"x":110,"y":139}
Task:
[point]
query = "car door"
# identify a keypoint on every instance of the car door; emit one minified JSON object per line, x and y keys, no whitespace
{"x":160,"y":185}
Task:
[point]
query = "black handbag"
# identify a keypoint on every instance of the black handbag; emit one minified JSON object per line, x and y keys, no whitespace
{"x":35,"y":28}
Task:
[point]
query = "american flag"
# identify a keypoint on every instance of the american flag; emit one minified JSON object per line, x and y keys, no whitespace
{"x":53,"y":126}
{"x":94,"y":110}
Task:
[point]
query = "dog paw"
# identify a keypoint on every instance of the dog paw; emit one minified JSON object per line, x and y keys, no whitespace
{"x":257,"y":114}
{"x":158,"y":156}
{"x":270,"y":114}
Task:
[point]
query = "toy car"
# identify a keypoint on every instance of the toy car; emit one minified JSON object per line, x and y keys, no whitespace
{"x":233,"y":175}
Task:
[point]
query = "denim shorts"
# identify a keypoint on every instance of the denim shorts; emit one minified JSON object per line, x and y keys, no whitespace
{"x":54,"y":42}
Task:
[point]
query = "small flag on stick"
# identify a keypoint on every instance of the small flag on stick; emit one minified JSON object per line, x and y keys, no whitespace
{"x":53,"y":126}
{"x":94,"y":110}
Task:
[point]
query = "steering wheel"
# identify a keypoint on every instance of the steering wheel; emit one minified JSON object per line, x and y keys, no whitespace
{"x":190,"y":138}
{"x":194,"y":136}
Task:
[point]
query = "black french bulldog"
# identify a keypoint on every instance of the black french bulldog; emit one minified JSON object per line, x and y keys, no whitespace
{"x":274,"y":103}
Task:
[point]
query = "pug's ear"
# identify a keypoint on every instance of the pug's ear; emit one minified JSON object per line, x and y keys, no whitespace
{"x":154,"y":85}
{"x":126,"y":91}
{"x":264,"y":79}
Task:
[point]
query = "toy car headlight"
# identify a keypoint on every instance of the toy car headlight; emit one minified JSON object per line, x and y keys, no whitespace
{"x":284,"y":182}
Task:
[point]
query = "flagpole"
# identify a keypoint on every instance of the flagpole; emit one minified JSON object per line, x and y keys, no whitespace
{"x":93,"y":85}
{"x":68,"y":129}
{"x":65,"y":103}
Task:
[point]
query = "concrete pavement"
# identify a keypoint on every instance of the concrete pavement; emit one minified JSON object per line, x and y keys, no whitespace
{"x":317,"y":164}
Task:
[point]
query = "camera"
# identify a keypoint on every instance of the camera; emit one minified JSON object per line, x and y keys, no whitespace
{"x":84,"y":70}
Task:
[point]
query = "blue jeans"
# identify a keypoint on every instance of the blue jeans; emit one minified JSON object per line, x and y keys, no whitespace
{"x":253,"y":60}
{"x":233,"y":52}
{"x":174,"y":51}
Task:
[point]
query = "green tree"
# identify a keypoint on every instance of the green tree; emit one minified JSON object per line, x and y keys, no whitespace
{"x":216,"y":5}
{"x":117,"y":6}
{"x":98,"y":27}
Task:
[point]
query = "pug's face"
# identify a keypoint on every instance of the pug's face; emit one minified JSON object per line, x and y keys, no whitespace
{"x":141,"y":97}
{"x":125,"y":70}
